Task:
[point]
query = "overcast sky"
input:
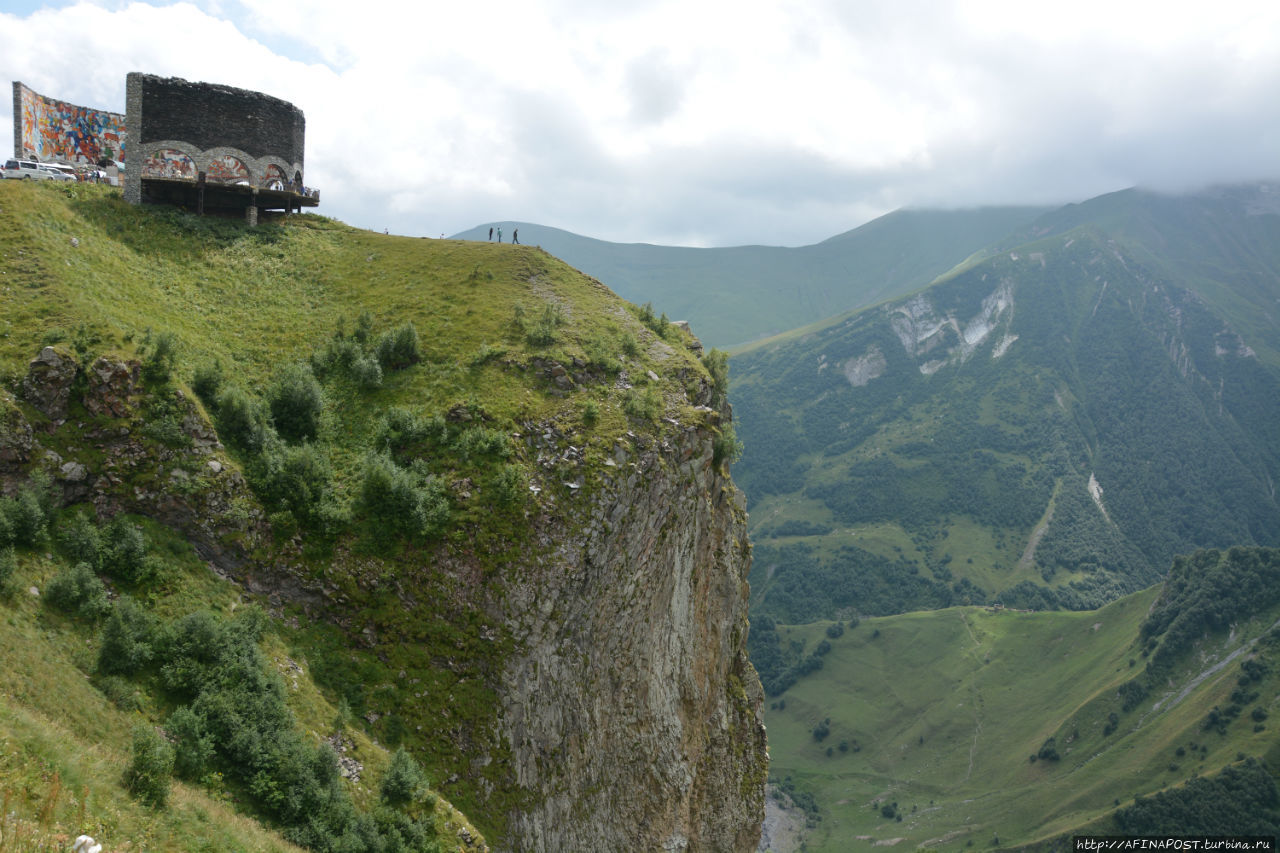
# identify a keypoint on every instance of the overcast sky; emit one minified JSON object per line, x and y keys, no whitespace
{"x":715,"y":123}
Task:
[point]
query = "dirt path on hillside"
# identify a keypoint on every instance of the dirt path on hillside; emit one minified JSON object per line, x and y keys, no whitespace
{"x":1028,"y":558}
{"x":975,"y":696}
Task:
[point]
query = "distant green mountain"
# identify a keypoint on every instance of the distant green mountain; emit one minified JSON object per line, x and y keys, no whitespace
{"x":734,"y":295}
{"x":975,"y":727}
{"x":1046,"y":427}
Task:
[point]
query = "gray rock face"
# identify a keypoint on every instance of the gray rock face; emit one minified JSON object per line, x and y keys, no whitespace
{"x":633,"y":713}
{"x":16,"y":437}
{"x":47,"y":385}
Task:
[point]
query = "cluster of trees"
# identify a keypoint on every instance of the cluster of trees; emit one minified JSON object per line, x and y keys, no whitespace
{"x":809,"y":585}
{"x":1241,"y":800}
{"x":1207,"y":591}
{"x":996,"y":493}
{"x":361,"y":357}
{"x":228,"y":721}
{"x":779,"y":666}
{"x":287,"y":454}
{"x":803,"y":799}
{"x":1080,"y":539}
{"x":25,"y":516}
{"x":794,"y":527}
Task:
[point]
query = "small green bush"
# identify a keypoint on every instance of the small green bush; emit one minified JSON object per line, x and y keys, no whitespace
{"x":158,"y":364}
{"x":338,"y":356}
{"x":77,"y":590}
{"x":364,"y":328}
{"x":401,"y":430}
{"x":542,"y":332}
{"x":479,"y":441}
{"x":295,"y":478}
{"x":602,"y":352}
{"x":240,"y":420}
{"x":25,"y":516}
{"x":399,"y":348}
{"x":366,"y":372}
{"x":189,"y":648}
{"x":151,"y":767}
{"x":590,"y":413}
{"x":725,"y":447}
{"x":126,"y":639}
{"x":80,"y":539}
{"x":404,"y":779}
{"x":296,"y":402}
{"x":717,"y":364}
{"x":207,"y":382}
{"x":124,"y":551}
{"x":411,"y":502}
{"x":193,"y":745}
{"x":8,"y":565}
{"x":660,"y":326}
{"x":642,"y":404}
{"x":509,"y":486}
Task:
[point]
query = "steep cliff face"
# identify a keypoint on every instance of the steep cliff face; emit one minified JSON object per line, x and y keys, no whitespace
{"x":632,"y":712}
{"x":517,"y":553}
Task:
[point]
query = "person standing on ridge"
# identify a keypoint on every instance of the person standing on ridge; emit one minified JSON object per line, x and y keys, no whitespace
{"x":515,"y":235}
{"x":499,"y":233}
{"x":490,"y":233}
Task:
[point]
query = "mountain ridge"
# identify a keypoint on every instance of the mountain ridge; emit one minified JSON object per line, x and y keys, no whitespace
{"x":1079,"y":361}
{"x":735,"y":294}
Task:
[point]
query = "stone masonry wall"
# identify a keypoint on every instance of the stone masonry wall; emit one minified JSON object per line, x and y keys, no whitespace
{"x":204,"y":120}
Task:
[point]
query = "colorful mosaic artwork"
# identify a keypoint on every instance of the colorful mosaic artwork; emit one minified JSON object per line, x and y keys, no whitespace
{"x":274,"y":179}
{"x":167,"y":163}
{"x":56,"y":130}
{"x":227,"y":169}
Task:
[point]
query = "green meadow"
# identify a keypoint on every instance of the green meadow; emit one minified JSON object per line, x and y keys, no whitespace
{"x":932,"y":720}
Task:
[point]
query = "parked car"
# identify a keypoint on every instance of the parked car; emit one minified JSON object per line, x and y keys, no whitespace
{"x":28,"y":169}
{"x":54,"y":173}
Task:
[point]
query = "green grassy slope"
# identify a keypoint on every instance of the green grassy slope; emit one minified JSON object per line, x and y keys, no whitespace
{"x":65,"y":743}
{"x":941,"y":711}
{"x":742,"y":293}
{"x":1045,"y":427}
{"x":401,"y":636}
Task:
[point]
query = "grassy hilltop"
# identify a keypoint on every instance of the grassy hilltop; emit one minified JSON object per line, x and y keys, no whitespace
{"x":375,"y":398}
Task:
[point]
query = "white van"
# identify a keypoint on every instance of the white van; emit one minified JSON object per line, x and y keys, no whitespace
{"x":28,"y":169}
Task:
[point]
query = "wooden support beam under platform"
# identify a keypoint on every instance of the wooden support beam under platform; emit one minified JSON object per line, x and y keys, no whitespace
{"x":210,"y":197}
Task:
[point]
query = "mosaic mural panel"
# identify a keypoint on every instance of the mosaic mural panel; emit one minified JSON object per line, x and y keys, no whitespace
{"x":56,"y":130}
{"x":275,"y":178}
{"x":168,"y":163}
{"x":227,"y":169}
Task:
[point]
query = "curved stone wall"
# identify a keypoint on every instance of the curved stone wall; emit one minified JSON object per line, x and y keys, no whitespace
{"x":179,"y":129}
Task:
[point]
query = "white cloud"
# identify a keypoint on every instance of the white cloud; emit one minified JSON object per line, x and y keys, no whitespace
{"x":714,"y":122}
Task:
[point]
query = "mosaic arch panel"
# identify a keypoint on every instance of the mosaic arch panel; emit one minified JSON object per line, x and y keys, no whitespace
{"x":275,"y":178}
{"x":169,"y":163}
{"x":227,"y":169}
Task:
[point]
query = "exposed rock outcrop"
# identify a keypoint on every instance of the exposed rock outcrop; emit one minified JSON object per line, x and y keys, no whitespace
{"x":632,"y":712}
{"x":17,"y":439}
{"x":47,"y":385}
{"x":110,"y":385}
